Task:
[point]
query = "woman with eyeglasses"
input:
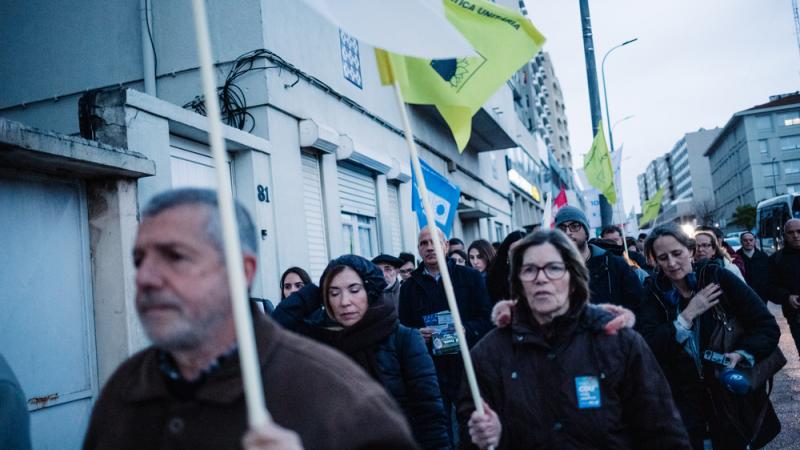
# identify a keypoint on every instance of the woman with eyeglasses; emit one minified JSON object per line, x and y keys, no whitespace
{"x":677,"y":317}
{"x":361,"y":322}
{"x":554,"y":378}
{"x":707,"y":247}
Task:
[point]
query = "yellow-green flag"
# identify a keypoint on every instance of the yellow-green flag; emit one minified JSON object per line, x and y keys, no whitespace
{"x":651,"y":208}
{"x":597,"y":165}
{"x":458,"y":87}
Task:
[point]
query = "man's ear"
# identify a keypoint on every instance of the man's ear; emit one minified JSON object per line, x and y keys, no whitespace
{"x":250,"y":265}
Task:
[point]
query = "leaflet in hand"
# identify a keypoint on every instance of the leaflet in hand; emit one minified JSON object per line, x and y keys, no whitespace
{"x":444,"y":337}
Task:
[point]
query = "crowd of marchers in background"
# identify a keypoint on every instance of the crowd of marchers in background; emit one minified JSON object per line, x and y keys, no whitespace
{"x":577,"y":342}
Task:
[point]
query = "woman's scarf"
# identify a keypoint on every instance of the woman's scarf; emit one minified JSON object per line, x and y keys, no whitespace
{"x":360,"y":341}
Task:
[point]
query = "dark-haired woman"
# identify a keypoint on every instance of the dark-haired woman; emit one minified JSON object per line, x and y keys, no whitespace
{"x":292,"y":280}
{"x":459,"y":256}
{"x":481,"y":256}
{"x":362,"y":323}
{"x":554,"y":378}
{"x":497,"y":278}
{"x":677,"y":317}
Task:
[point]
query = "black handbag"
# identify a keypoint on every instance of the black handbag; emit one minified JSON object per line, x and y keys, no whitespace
{"x":742,"y":416}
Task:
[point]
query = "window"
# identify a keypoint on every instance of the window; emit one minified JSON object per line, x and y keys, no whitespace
{"x":499,"y":235}
{"x":793,"y":188}
{"x":790,"y":167}
{"x":359,"y":235}
{"x":791,"y":118}
{"x":770,"y":169}
{"x":763,"y":147}
{"x":764,"y":123}
{"x":790,"y":143}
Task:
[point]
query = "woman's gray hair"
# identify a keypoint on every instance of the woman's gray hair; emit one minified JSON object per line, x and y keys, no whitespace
{"x":208,"y":198}
{"x":573,"y":261}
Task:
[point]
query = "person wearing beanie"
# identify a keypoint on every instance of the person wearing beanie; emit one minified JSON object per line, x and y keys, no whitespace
{"x":611,"y":279}
{"x":390,"y":265}
{"x":361,"y":322}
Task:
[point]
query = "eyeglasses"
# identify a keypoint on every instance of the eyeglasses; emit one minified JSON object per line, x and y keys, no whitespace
{"x":705,"y":245}
{"x":552,"y":271}
{"x":406,"y":271}
{"x":571,"y":226}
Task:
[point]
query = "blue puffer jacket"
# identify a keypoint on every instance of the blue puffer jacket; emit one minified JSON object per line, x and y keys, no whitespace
{"x":399,"y":359}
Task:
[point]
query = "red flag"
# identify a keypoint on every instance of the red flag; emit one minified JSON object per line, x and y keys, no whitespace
{"x":558,"y":203}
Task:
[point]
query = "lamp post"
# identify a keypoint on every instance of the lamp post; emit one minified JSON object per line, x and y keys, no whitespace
{"x":774,"y":178}
{"x":605,"y":94}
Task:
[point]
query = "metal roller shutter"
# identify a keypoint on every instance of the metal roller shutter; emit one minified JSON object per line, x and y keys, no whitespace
{"x":357,"y":191}
{"x":315,"y":217}
{"x":393,"y":216}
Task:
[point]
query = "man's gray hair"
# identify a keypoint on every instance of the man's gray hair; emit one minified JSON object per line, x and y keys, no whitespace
{"x":206,"y":197}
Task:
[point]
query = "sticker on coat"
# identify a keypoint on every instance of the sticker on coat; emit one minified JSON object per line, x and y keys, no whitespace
{"x":587,"y":390}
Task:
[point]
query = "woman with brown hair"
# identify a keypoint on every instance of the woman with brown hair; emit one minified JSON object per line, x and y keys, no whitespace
{"x":554,"y":378}
{"x":481,"y":256}
{"x":682,"y":306}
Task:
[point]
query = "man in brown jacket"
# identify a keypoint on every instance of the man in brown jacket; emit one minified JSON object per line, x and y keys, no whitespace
{"x":186,"y":390}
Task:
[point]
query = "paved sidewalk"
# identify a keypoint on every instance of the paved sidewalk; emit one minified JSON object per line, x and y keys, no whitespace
{"x":786,"y":394}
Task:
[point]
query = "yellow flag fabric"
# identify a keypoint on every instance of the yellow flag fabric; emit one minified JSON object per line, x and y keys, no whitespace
{"x":458,"y":87}
{"x":651,"y":208}
{"x":597,"y":165}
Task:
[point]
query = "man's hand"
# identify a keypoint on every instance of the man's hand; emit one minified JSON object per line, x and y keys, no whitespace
{"x":271,"y":436}
{"x":794,"y":301}
{"x":702,"y":302}
{"x":485,"y":430}
{"x":623,"y":318}
{"x":502,"y":312}
{"x":426,"y":334}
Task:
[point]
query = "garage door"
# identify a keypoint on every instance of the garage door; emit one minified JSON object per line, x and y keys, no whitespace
{"x":46,"y":316}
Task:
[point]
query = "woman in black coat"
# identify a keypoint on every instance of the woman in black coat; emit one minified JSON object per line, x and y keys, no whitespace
{"x":362,"y":323}
{"x":676,"y":319}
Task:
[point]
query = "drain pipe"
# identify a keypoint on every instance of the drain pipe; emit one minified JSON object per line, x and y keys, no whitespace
{"x":148,"y":55}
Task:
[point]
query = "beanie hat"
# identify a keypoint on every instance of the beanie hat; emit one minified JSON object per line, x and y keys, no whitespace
{"x":572,"y":214}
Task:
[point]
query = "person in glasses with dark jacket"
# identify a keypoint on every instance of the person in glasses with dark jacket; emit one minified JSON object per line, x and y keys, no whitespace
{"x":554,"y":378}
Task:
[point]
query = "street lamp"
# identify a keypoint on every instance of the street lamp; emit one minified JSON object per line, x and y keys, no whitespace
{"x":620,"y":120}
{"x":605,"y":95}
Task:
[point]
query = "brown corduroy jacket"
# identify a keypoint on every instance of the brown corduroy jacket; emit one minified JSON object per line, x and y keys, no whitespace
{"x":309,"y":388}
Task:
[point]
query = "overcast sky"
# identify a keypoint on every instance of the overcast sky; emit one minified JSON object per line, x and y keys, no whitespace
{"x":695,"y":64}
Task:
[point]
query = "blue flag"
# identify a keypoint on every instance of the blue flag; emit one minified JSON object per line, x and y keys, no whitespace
{"x":442,"y":194}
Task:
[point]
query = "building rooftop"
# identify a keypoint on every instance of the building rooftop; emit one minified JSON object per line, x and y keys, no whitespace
{"x":779,"y":100}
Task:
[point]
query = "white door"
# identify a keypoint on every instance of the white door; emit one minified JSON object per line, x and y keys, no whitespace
{"x":46,"y":315}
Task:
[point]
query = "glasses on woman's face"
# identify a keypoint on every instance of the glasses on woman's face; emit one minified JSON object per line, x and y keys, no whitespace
{"x":552,"y":271}
{"x":571,"y":226}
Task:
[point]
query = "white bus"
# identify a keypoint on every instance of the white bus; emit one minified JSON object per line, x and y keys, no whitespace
{"x":771,"y":214}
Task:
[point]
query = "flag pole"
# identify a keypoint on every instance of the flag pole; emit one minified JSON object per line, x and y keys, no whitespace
{"x":251,"y":376}
{"x":440,"y":256}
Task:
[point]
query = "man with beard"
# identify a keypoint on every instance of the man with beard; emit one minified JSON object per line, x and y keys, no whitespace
{"x":185,"y":391}
{"x":784,"y":277}
{"x":422,"y":298}
{"x":611,"y":279}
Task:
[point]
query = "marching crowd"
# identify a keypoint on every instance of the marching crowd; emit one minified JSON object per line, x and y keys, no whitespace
{"x":664,"y":341}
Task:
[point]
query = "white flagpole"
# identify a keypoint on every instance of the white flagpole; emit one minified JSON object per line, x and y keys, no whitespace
{"x":440,"y":257}
{"x":256,"y":409}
